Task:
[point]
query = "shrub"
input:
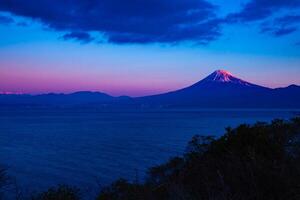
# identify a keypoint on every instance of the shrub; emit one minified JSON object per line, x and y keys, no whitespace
{"x":61,"y":192}
{"x":255,"y":162}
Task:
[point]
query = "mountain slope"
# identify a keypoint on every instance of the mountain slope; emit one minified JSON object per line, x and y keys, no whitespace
{"x":222,"y":89}
{"x":218,"y":90}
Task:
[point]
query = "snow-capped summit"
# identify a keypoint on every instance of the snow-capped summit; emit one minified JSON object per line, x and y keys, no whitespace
{"x":223,"y":76}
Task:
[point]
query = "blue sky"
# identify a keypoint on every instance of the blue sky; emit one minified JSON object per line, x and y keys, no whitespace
{"x":145,"y":47}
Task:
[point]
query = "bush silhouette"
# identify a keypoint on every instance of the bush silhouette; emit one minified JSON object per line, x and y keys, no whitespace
{"x":250,"y":162}
{"x":255,"y":162}
{"x":61,"y":192}
{"x":3,"y":181}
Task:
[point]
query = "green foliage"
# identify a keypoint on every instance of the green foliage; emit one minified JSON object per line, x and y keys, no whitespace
{"x":255,"y":162}
{"x":61,"y":192}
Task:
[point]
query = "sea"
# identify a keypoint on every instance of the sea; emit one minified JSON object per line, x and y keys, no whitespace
{"x":91,"y":147}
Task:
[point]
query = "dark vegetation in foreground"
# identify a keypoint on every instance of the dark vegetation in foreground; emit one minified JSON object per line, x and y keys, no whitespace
{"x":255,"y":162}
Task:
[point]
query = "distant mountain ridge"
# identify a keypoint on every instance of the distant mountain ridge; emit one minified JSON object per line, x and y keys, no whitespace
{"x":82,"y":97}
{"x":220,"y":89}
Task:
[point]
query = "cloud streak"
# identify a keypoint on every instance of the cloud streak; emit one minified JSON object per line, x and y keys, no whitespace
{"x":256,"y":10}
{"x":80,"y":36}
{"x":6,"y":20}
{"x":262,"y":10}
{"x":281,"y":26}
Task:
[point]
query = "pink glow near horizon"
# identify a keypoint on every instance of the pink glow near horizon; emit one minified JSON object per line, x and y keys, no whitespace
{"x":38,"y":81}
{"x":134,"y":76}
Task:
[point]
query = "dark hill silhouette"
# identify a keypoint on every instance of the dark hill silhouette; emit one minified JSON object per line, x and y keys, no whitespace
{"x":82,"y":97}
{"x":250,"y":162}
{"x":222,"y":89}
{"x":218,"y":90}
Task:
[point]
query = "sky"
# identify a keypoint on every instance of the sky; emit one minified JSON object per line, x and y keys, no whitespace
{"x":143,"y":47}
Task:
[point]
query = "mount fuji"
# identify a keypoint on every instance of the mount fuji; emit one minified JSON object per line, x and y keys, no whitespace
{"x":222,"y":76}
{"x":220,"y":89}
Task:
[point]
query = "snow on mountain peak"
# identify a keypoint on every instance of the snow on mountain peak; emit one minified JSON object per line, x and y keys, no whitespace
{"x":222,"y":76}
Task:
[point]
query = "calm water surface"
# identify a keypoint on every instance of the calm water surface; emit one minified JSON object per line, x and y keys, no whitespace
{"x":89,"y":147}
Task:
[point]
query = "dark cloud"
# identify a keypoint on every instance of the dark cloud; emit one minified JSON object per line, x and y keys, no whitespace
{"x":6,"y":20}
{"x":24,"y":24}
{"x":124,"y":21}
{"x":80,"y":36}
{"x":282,"y":26}
{"x":284,"y":31}
{"x":262,"y":9}
{"x":201,"y":33}
{"x":288,"y":20}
